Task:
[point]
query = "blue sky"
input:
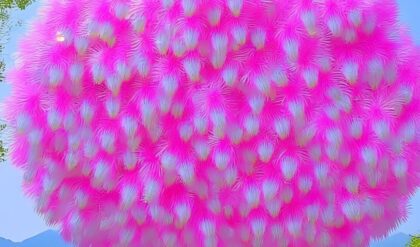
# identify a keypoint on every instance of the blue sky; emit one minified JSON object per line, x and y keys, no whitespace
{"x":18,"y":220}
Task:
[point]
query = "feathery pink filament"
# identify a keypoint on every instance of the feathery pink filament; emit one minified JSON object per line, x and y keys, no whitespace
{"x":218,"y":123}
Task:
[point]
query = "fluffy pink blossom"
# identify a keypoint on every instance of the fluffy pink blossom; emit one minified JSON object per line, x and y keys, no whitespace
{"x":217,"y":122}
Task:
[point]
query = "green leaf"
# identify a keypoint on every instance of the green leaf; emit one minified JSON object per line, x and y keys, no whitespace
{"x":415,"y":241}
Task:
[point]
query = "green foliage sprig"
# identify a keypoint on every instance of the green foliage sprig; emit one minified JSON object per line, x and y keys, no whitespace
{"x":415,"y":241}
{"x":21,"y":4}
{"x":3,"y":150}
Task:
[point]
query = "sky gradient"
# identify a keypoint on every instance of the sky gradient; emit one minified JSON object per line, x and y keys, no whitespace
{"x":18,"y":220}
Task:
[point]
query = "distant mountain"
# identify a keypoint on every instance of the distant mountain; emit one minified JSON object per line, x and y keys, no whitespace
{"x":53,"y":239}
{"x":6,"y":243}
{"x":396,"y":240}
{"x":45,"y":239}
